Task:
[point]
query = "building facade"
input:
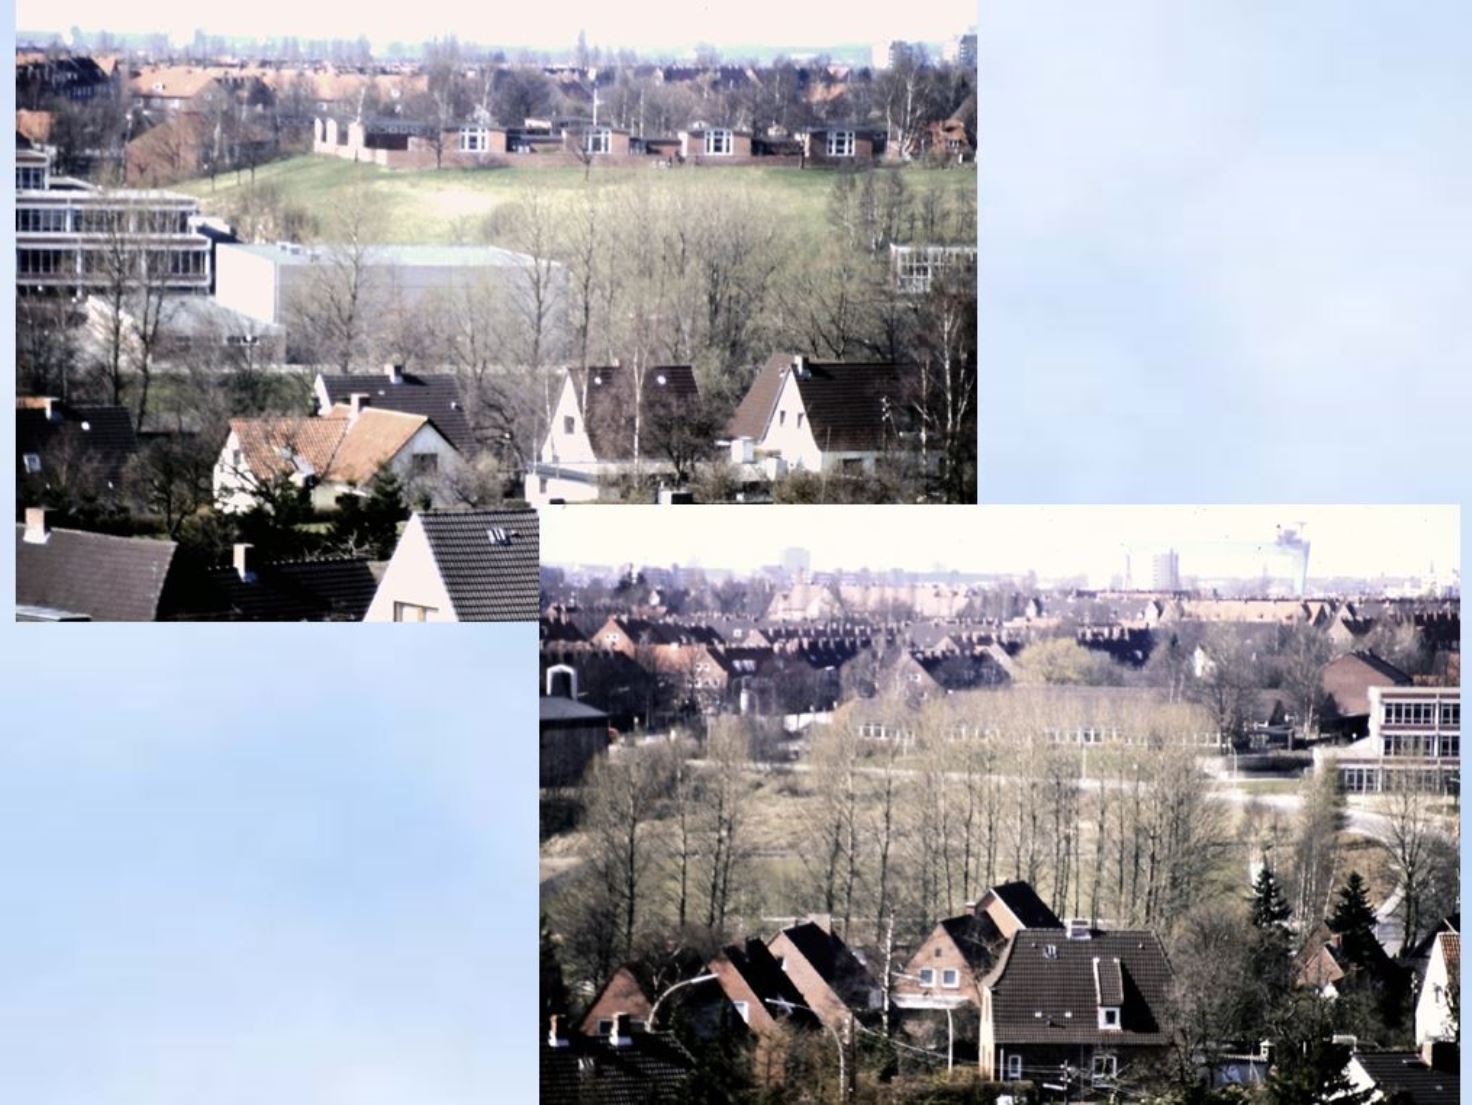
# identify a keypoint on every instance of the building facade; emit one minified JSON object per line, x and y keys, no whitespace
{"x":1415,"y":742}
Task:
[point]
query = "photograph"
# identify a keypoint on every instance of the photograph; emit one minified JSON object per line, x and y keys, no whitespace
{"x":1114,"y":804}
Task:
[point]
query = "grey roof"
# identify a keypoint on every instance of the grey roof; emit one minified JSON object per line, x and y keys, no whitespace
{"x":651,"y":1069}
{"x":1026,"y":906}
{"x":556,"y":708}
{"x":108,"y":578}
{"x":390,"y":253}
{"x":338,"y":588}
{"x":487,"y":578}
{"x":1404,"y":1071}
{"x":435,"y":396}
{"x":103,"y":434}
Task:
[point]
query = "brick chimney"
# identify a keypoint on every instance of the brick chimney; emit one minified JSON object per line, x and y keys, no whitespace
{"x":557,"y":1035}
{"x":356,"y":402}
{"x":37,"y":529}
{"x":394,"y":372}
{"x":245,"y":562}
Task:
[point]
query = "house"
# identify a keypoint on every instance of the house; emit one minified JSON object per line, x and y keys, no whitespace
{"x":189,"y":329}
{"x":336,"y":454}
{"x":72,"y":445}
{"x":1415,"y":742}
{"x":1428,"y":1077}
{"x":624,"y":994}
{"x":461,"y":565}
{"x":715,"y":145}
{"x":1438,"y":1006}
{"x":1345,"y":683}
{"x":624,"y":1065}
{"x":607,"y":420}
{"x":821,"y":416}
{"x":72,"y":575}
{"x":1091,"y":1000}
{"x":842,"y":144}
{"x":41,"y":77}
{"x":833,"y":981}
{"x":757,"y":994}
{"x":435,"y":396}
{"x":572,"y":732}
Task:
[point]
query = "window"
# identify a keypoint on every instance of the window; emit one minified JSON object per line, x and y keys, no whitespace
{"x":40,"y":262}
{"x":29,"y":176}
{"x":412,"y":612}
{"x":1050,"y":951}
{"x":474,"y":140}
{"x":1014,"y":1068}
{"x":425,"y":464}
{"x":927,"y":976}
{"x":1103,"y":1068}
{"x":33,"y":463}
{"x":605,"y":1026}
{"x":840,"y":143}
{"x":598,"y":140}
{"x":1451,"y":713}
{"x":569,"y":423}
{"x":41,"y":220}
{"x":950,"y":977}
{"x":800,"y":416}
{"x":718,"y":142}
{"x":853,"y":465}
{"x":1108,"y":1016}
{"x":781,"y":418}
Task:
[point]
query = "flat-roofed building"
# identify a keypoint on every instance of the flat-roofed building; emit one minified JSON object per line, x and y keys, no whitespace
{"x":1415,"y":742}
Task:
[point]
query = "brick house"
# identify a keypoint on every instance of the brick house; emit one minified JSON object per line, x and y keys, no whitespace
{"x":624,"y":994}
{"x":1345,"y":684}
{"x":834,"y":983}
{"x":842,"y":144}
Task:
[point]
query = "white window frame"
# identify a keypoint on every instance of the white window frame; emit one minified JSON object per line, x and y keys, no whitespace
{"x":412,"y":608}
{"x":599,"y":140}
{"x":1105,"y":1023}
{"x":840,"y":143}
{"x":719,"y":143}
{"x":474,"y":140}
{"x":927,"y":976}
{"x":1014,"y":1068}
{"x":32,"y":463}
{"x":950,"y":978}
{"x":1103,"y":1067}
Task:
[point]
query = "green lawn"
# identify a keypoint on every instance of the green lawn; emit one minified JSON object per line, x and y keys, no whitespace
{"x":447,"y":205}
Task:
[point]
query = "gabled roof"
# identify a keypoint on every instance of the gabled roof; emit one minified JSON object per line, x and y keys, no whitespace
{"x":1045,"y":988}
{"x":370,"y":441}
{"x":1405,"y":1072}
{"x":651,"y":1069}
{"x":853,"y":407}
{"x":178,"y":81}
{"x":102,"y":434}
{"x":977,"y":938}
{"x":104,"y":577}
{"x":487,"y":560}
{"x":755,"y":409}
{"x":835,"y":963}
{"x":436,"y":396}
{"x":608,"y":413}
{"x":759,"y":968}
{"x":1026,"y":906}
{"x":281,"y":446}
{"x":338,"y":588}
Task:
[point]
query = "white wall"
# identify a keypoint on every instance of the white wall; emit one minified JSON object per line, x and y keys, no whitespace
{"x":246,"y":282}
{"x":573,"y":450}
{"x":428,"y":440}
{"x":789,"y":432}
{"x":232,"y":482}
{"x":411,"y":577}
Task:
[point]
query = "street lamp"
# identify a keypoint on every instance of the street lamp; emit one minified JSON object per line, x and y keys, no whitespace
{"x":787,"y":1007}
{"x":950,"y":1022}
{"x":654,"y":1009}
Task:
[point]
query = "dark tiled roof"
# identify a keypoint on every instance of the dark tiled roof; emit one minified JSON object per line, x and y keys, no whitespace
{"x":331,"y":589}
{"x":609,"y":412}
{"x":1404,"y":1071}
{"x":667,"y":633}
{"x":107,"y":578}
{"x":561,"y":631}
{"x":556,"y":708}
{"x":762,"y":972}
{"x":977,"y":938}
{"x":436,"y":397}
{"x":652,"y":1069}
{"x":487,"y":581}
{"x":853,"y":407}
{"x":831,"y":958}
{"x":1043,"y":996}
{"x":1024,"y":902}
{"x":755,"y":411}
{"x":102,"y":434}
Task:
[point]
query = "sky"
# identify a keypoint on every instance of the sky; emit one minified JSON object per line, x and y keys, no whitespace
{"x":644,"y":26}
{"x":248,"y":864}
{"x":1225,"y":251}
{"x":1055,"y":541}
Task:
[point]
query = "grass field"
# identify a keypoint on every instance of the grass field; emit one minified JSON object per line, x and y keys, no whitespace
{"x":447,"y":206}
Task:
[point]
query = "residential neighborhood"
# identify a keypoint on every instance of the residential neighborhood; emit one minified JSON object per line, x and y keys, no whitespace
{"x":871,"y":833}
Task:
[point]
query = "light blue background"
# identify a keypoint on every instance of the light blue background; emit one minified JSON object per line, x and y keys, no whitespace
{"x":245,"y":864}
{"x":1226,"y":251}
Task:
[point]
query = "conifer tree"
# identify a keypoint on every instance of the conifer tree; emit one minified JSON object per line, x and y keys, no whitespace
{"x":1269,"y":907}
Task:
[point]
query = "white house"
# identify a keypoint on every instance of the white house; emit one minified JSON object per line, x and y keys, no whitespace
{"x":460,"y":566}
{"x":817,"y":417}
{"x":1436,"y":1006}
{"x":336,"y":454}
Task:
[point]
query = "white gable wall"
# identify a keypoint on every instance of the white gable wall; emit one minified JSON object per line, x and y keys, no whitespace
{"x":788,"y":432}
{"x":411,"y":577}
{"x":449,"y":462}
{"x":571,"y":450}
{"x":233,"y":484}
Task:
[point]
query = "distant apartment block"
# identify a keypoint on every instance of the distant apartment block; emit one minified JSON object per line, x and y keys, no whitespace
{"x":71,"y":238}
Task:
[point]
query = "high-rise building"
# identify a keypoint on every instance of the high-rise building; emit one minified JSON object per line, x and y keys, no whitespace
{"x":1165,"y":571}
{"x":961,"y":50}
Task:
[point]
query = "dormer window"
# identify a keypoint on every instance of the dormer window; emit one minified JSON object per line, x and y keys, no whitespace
{"x":1109,"y":1018}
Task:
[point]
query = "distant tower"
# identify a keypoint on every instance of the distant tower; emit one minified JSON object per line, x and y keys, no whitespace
{"x":1294,"y":548}
{"x":1165,"y":571}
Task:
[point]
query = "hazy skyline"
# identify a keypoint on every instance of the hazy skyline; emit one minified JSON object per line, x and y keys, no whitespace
{"x":657,"y":26}
{"x":1054,"y":541}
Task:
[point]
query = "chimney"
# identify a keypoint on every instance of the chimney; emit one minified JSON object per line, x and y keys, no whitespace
{"x":37,"y":529}
{"x":557,"y":1033}
{"x":395,"y":373}
{"x":53,"y":409}
{"x":356,"y":402}
{"x":619,"y":1035}
{"x":245,"y":562}
{"x":800,"y":366}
